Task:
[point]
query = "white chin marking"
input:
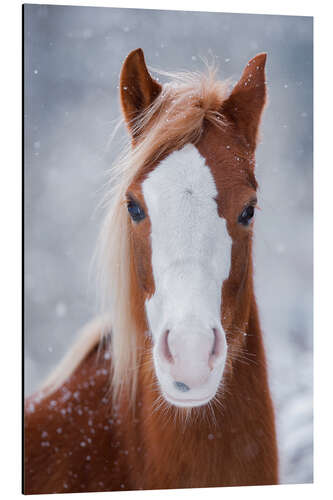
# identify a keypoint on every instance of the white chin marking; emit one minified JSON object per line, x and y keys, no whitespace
{"x":191,"y":251}
{"x":186,"y":403}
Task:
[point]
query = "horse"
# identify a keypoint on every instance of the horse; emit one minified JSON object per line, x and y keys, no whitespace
{"x":170,"y":388}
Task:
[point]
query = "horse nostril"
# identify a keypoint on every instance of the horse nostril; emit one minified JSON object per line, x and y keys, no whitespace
{"x":216,"y":351}
{"x":165,"y":350}
{"x":181,"y":386}
{"x":218,"y":348}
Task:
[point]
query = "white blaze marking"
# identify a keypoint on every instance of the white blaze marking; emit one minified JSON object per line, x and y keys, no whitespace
{"x":191,"y":248}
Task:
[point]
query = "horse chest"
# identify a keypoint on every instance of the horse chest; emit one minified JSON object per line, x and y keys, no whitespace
{"x":173,"y":456}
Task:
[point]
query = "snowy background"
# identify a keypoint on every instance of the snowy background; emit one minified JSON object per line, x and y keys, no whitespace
{"x":73,"y":57}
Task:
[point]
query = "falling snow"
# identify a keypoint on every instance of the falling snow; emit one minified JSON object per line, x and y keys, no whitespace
{"x":67,"y":156}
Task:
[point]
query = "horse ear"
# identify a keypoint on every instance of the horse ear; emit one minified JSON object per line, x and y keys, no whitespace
{"x":137,"y":88}
{"x":246,"y":102}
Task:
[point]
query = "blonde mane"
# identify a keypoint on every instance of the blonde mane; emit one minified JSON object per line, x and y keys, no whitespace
{"x":175,"y":118}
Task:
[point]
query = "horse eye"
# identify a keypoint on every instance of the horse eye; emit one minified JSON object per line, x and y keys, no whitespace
{"x":135,"y":211}
{"x":246,"y":215}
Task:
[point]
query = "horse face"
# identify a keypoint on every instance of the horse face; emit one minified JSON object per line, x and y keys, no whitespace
{"x":177,"y":224}
{"x":191,"y":218}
